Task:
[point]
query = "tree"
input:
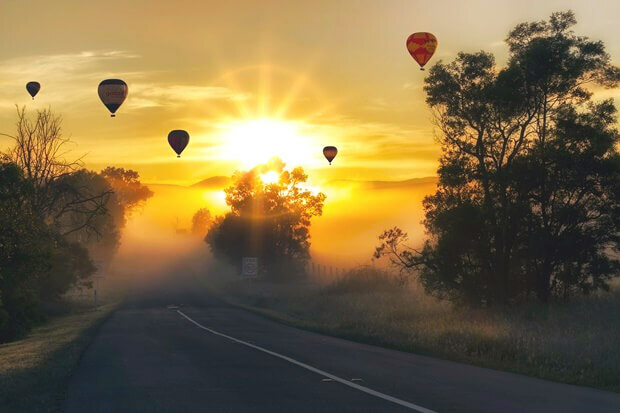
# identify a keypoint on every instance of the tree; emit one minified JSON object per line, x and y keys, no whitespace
{"x":527,"y":200}
{"x":270,"y":221}
{"x":99,"y":232}
{"x":37,"y":264}
{"x":201,"y":221}
{"x":130,"y":192}
{"x":40,"y":150}
{"x":23,"y":252}
{"x":54,"y":217}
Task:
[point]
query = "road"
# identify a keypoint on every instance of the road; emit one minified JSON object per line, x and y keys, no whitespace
{"x":207,"y":356}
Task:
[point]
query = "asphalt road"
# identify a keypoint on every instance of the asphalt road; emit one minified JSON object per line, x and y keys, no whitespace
{"x":207,"y":356}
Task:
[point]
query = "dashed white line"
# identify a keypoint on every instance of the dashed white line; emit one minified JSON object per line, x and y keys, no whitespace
{"x":323,"y":373}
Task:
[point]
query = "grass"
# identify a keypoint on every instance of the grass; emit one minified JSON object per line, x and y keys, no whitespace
{"x":34,"y":371}
{"x":576,"y":342}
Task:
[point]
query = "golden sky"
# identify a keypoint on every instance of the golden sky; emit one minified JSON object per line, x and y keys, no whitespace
{"x":251,"y":79}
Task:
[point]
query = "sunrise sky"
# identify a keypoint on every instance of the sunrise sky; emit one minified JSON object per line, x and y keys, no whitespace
{"x":253,"y":79}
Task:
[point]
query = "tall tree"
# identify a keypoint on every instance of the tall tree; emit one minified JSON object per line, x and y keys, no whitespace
{"x":40,"y":150}
{"x":527,"y":200}
{"x":269,"y":220}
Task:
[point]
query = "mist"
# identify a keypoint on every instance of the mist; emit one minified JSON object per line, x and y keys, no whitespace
{"x":157,"y":240}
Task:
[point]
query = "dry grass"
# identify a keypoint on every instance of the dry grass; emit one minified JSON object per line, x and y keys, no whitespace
{"x":34,"y":371}
{"x":576,"y":342}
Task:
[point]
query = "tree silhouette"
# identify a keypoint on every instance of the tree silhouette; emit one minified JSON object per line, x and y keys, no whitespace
{"x":201,"y":221}
{"x":270,"y":221}
{"x":40,"y":150}
{"x":126,"y":184}
{"x":527,"y":200}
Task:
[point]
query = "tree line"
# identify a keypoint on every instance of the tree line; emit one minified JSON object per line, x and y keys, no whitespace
{"x":529,"y":177}
{"x":57,"y":219}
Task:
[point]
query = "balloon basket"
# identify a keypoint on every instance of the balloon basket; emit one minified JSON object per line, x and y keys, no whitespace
{"x":113,"y":116}
{"x":178,"y":156}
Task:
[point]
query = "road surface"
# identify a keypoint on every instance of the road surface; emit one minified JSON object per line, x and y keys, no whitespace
{"x":207,"y":356}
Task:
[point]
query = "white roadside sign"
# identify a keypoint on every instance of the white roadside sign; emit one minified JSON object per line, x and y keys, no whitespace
{"x":249,"y":267}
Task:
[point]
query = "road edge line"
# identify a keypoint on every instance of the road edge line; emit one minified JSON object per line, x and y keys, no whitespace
{"x":363,"y":389}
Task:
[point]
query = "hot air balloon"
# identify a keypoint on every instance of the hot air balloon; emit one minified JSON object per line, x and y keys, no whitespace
{"x":112,"y":93}
{"x":178,"y":140}
{"x":330,"y":153}
{"x":33,"y":88}
{"x":421,"y":47}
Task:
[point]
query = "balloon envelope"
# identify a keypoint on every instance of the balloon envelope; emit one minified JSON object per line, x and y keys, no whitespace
{"x":178,"y":140}
{"x":33,"y":88}
{"x":112,"y":93}
{"x":330,"y":153}
{"x":421,"y":47}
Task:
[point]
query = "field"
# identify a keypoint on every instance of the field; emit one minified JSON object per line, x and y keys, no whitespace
{"x":574,"y":342}
{"x":34,"y":371}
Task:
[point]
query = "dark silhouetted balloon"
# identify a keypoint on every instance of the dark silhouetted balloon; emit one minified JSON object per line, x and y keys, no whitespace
{"x":330,"y":153}
{"x":33,"y":88}
{"x":178,"y":140}
{"x":421,"y":47}
{"x":112,"y":93}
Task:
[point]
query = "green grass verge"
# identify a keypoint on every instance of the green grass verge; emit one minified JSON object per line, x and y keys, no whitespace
{"x":34,"y":371}
{"x":575,"y":342}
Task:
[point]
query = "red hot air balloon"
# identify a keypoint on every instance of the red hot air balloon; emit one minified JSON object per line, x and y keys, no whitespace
{"x":330,"y":153}
{"x":421,"y":47}
{"x":178,"y":140}
{"x":112,"y":93}
{"x":33,"y":88}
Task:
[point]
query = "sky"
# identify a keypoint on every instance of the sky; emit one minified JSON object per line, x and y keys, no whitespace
{"x":253,"y":79}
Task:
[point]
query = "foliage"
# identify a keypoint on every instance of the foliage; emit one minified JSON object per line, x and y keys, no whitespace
{"x":201,"y":221}
{"x":40,"y":149}
{"x":527,"y":200}
{"x":54,"y":216}
{"x":37,"y":264}
{"x":126,"y":184}
{"x":270,"y":221}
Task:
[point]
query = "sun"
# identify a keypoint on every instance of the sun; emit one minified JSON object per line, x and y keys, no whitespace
{"x":270,"y":177}
{"x":255,"y":141}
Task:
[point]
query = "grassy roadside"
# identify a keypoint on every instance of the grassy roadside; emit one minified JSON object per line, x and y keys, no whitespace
{"x":34,"y":371}
{"x":575,"y":342}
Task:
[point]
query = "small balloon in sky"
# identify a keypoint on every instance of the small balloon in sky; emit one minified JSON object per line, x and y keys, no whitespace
{"x":421,"y":47}
{"x":33,"y":88}
{"x":112,"y":93}
{"x":178,"y":140}
{"x":330,"y":153}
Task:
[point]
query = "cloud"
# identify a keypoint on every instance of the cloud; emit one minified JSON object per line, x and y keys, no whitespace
{"x":57,"y":65}
{"x":151,"y":95}
{"x":65,"y":77}
{"x":71,"y":78}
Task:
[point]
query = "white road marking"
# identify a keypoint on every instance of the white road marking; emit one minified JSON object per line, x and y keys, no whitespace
{"x":314,"y":369}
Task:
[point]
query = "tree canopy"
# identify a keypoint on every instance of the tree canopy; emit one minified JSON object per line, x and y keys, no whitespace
{"x":201,"y":221}
{"x":268,"y":220}
{"x":55,"y":216}
{"x":527,"y":200}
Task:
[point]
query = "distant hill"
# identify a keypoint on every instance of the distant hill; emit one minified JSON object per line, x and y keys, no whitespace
{"x":214,"y":182}
{"x":220,"y":182}
{"x":156,"y":185}
{"x":388,"y":184}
